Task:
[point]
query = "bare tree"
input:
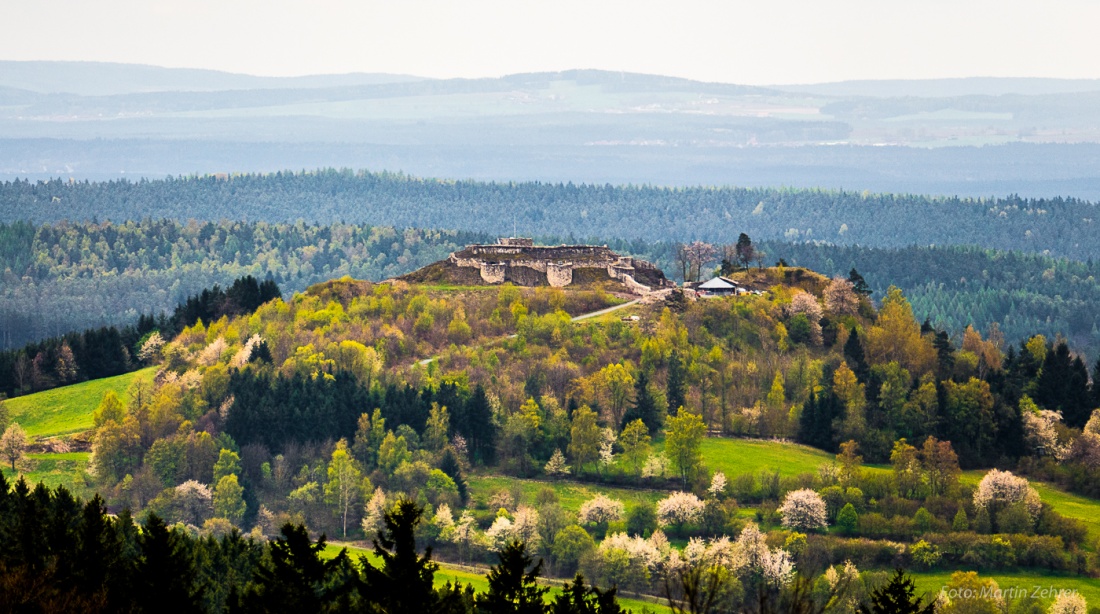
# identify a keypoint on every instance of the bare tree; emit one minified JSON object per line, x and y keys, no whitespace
{"x":23,"y":370}
{"x":699,"y":255}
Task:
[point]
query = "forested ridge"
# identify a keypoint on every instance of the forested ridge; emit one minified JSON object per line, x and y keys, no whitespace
{"x":1062,"y":227}
{"x":73,"y":276}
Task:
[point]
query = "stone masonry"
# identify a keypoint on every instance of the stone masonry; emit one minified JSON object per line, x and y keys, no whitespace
{"x":520,"y":261}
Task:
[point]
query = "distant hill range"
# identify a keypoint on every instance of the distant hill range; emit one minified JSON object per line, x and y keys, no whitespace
{"x":976,"y":137}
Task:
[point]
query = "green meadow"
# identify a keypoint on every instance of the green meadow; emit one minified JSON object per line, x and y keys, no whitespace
{"x":67,"y":410}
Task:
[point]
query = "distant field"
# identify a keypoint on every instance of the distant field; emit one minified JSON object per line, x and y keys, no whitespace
{"x":932,"y":582}
{"x":55,"y":470}
{"x":570,"y":494}
{"x":464,"y":575}
{"x":737,"y":456}
{"x":68,"y":409}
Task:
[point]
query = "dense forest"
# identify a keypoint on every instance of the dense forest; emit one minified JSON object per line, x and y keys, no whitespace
{"x":1057,"y":226}
{"x":68,"y":276}
{"x":74,"y":276}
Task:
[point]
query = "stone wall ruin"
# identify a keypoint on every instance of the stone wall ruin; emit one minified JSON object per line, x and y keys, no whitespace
{"x":520,"y":261}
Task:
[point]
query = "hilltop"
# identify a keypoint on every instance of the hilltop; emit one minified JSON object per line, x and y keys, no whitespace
{"x":519,"y":261}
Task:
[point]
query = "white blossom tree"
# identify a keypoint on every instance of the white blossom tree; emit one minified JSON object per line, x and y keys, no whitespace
{"x":464,"y":533}
{"x":499,"y":533}
{"x":840,"y":297}
{"x":806,"y":304}
{"x":678,"y":509}
{"x":1069,"y":603}
{"x":525,"y":526}
{"x":194,"y":502}
{"x":557,"y":465}
{"x":1041,"y":428}
{"x":656,"y":466}
{"x":637,"y":548}
{"x":717,"y":485}
{"x":211,"y":353}
{"x":607,"y":452}
{"x":775,"y":566}
{"x":375,"y":513}
{"x":151,"y":348}
{"x":804,"y":510}
{"x":1001,"y":488}
{"x":601,"y":510}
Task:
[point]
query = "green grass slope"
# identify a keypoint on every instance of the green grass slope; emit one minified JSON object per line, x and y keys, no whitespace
{"x":68,"y":469}
{"x":1040,"y":586}
{"x":68,"y":409}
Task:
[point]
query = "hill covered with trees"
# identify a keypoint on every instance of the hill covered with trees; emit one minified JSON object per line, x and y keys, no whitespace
{"x":325,"y":408}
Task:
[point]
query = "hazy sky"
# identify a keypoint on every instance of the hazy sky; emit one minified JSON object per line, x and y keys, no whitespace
{"x":759,"y":42}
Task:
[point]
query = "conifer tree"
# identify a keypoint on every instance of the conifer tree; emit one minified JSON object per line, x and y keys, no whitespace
{"x":645,"y":406}
{"x":513,"y":584}
{"x":856,"y":358}
{"x":403,"y":580}
{"x":450,"y":465}
{"x":897,"y":597}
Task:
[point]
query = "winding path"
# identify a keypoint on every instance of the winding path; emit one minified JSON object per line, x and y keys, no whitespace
{"x":583,"y":316}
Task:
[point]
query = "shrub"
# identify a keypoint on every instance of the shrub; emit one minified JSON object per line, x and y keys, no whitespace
{"x":924,"y":554}
{"x":570,"y":544}
{"x":848,"y":520}
{"x":923,"y":521}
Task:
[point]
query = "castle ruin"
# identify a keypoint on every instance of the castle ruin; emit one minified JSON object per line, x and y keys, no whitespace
{"x":520,"y":261}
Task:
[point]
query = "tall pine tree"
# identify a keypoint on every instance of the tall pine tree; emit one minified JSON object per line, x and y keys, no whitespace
{"x":644,"y":407}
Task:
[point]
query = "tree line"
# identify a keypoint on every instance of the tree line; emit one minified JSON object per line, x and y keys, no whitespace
{"x":1062,"y":227}
{"x":108,"y":351}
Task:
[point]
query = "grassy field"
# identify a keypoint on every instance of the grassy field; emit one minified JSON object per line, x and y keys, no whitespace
{"x":476,"y":578}
{"x":570,"y":494}
{"x":54,"y":470}
{"x":931,"y":583}
{"x":68,"y":409}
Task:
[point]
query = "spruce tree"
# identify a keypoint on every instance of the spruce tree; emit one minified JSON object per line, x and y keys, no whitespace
{"x":858,"y":283}
{"x":1096,"y":385}
{"x":403,"y":582}
{"x":644,"y":407}
{"x":897,"y":597}
{"x":857,"y":360}
{"x":166,"y":570}
{"x":513,"y":584}
{"x":577,"y":598}
{"x":480,"y":430}
{"x":450,"y":465}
